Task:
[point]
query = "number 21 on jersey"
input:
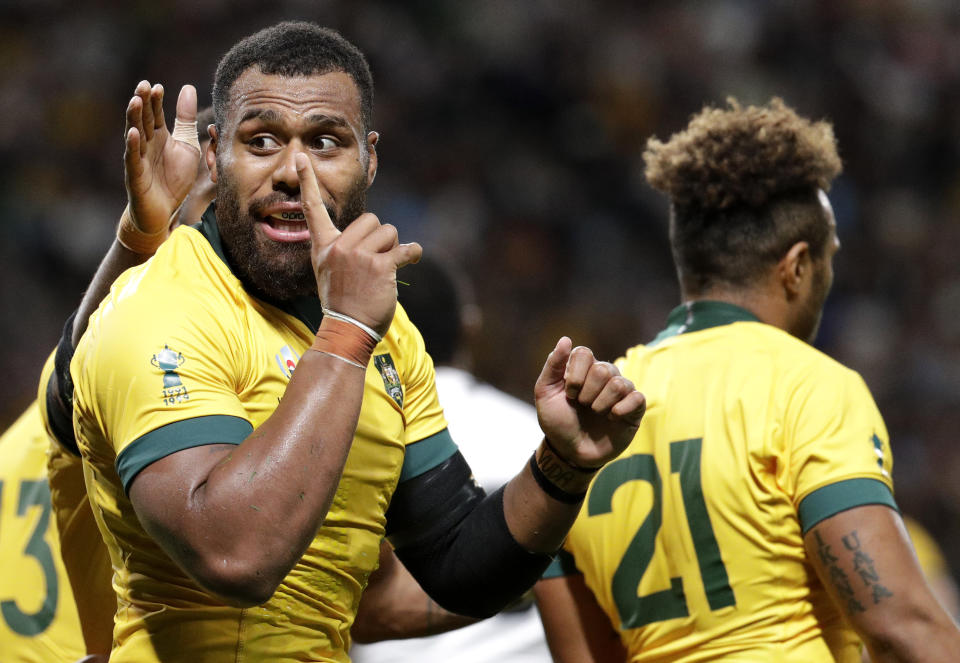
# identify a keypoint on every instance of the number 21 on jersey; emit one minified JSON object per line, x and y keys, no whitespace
{"x":636,"y":610}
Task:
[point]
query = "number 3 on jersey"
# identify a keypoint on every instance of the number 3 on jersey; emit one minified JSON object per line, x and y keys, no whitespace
{"x":34,"y":494}
{"x":636,"y":611}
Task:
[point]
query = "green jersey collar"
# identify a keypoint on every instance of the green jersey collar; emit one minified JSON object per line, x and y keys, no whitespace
{"x":703,"y":314}
{"x":307,"y":310}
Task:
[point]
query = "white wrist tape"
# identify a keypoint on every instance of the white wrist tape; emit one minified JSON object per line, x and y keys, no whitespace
{"x":346,"y":318}
{"x":186,"y":132}
{"x":336,"y":356}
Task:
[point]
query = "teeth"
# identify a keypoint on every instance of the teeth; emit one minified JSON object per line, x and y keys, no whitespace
{"x":289,"y":216}
{"x":290,"y":227}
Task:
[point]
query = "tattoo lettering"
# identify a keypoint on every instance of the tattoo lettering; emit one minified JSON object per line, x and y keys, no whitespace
{"x":555,"y":471}
{"x":863,"y":567}
{"x":837,"y":575}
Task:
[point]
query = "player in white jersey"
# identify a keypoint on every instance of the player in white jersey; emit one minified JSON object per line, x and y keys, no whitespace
{"x":493,"y":430}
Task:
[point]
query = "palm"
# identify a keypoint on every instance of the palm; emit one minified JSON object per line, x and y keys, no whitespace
{"x":159,"y":171}
{"x":163,"y":181}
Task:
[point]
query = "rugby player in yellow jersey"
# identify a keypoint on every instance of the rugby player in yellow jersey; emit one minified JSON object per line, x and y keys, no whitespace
{"x":246,"y":449}
{"x":751,"y":519}
{"x":38,"y":617}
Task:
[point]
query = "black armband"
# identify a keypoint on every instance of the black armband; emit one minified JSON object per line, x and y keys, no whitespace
{"x":456,"y":542}
{"x":59,"y":391}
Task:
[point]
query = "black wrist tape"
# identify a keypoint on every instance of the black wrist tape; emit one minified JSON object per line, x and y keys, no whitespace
{"x":550,"y":488}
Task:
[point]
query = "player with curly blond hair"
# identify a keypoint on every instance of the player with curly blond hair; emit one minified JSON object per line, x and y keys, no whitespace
{"x":752,"y":517}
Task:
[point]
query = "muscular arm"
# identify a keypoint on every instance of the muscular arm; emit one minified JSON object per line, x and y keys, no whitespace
{"x":395,"y":606}
{"x":865,"y":560}
{"x":588,"y":413}
{"x":474,"y":553}
{"x":237,"y":518}
{"x":578,"y":631}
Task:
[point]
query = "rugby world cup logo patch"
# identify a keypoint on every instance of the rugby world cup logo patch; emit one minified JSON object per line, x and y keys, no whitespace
{"x":287,"y":360}
{"x":391,"y":378}
{"x":168,"y":361}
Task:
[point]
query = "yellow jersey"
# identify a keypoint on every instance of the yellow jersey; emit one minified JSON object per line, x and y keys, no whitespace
{"x":692,"y":540}
{"x":180,"y":355}
{"x":38,"y":617}
{"x":82,"y":550}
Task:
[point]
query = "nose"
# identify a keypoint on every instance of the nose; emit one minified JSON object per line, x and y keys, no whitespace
{"x":285,"y":173}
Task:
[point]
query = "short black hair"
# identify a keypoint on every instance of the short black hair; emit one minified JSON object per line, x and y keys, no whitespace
{"x":293,"y":48}
{"x":743,"y":188}
{"x":432,"y":300}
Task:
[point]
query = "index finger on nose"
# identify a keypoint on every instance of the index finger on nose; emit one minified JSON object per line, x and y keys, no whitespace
{"x":322,"y":230}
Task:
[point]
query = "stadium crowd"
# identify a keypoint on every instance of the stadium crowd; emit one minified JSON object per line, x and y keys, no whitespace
{"x":511,"y":139}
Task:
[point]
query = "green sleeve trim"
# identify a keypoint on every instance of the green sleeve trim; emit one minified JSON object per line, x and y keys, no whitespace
{"x":161,"y":442}
{"x":426,"y":454}
{"x":563,"y":565}
{"x":841,"y":496}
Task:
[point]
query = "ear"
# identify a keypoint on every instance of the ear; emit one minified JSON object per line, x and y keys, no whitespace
{"x":372,"y":139}
{"x":794,"y":269}
{"x":210,"y":155}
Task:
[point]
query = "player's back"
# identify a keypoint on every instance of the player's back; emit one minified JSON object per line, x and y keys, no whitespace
{"x":691,"y":540}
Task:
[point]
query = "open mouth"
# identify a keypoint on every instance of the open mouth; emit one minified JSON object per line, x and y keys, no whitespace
{"x":286,"y":226}
{"x":288,"y":221}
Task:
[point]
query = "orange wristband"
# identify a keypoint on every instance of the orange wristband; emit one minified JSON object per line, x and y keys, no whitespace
{"x":344,"y":341}
{"x":137,"y":241}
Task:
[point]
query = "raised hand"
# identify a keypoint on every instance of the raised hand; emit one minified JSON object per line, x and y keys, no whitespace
{"x":587,"y":410}
{"x":159,"y":170}
{"x":356,"y":269}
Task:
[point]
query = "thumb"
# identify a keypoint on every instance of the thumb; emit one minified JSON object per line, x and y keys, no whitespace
{"x":185,"y":124}
{"x":556,"y":364}
{"x":187,"y":104}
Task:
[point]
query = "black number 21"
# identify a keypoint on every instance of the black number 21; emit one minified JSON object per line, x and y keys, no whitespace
{"x":636,"y":611}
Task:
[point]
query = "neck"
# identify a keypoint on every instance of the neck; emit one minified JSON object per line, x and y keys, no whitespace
{"x":760,"y":301}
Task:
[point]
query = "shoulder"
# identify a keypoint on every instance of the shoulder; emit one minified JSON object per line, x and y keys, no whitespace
{"x":185,"y":280}
{"x":403,"y":342}
{"x":25,"y":434}
{"x":184,"y":268}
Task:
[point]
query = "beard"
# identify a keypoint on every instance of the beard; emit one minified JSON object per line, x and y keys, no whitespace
{"x":270,"y":270}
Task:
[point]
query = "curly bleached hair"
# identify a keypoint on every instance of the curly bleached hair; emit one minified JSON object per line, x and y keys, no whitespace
{"x":743,"y":185}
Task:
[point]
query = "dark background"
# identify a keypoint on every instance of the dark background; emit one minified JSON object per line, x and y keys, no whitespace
{"x":512,"y":135}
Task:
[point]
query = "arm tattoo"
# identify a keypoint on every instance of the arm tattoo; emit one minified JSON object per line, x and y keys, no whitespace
{"x":863,"y":567}
{"x":837,"y":575}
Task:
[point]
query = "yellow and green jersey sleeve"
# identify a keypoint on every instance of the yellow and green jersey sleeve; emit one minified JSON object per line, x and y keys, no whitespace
{"x":692,"y":540}
{"x":38,"y":617}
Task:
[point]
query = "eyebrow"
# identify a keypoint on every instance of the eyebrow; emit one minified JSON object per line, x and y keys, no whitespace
{"x":272,"y":116}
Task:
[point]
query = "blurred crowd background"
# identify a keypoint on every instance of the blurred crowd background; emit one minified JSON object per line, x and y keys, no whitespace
{"x":511,"y":142}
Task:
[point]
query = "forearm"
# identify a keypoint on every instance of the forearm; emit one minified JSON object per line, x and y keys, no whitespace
{"x":302,"y":448}
{"x":538,"y":521}
{"x":922,"y":636}
{"x":577,"y":630}
{"x":117,"y":260}
{"x":394,"y":606}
